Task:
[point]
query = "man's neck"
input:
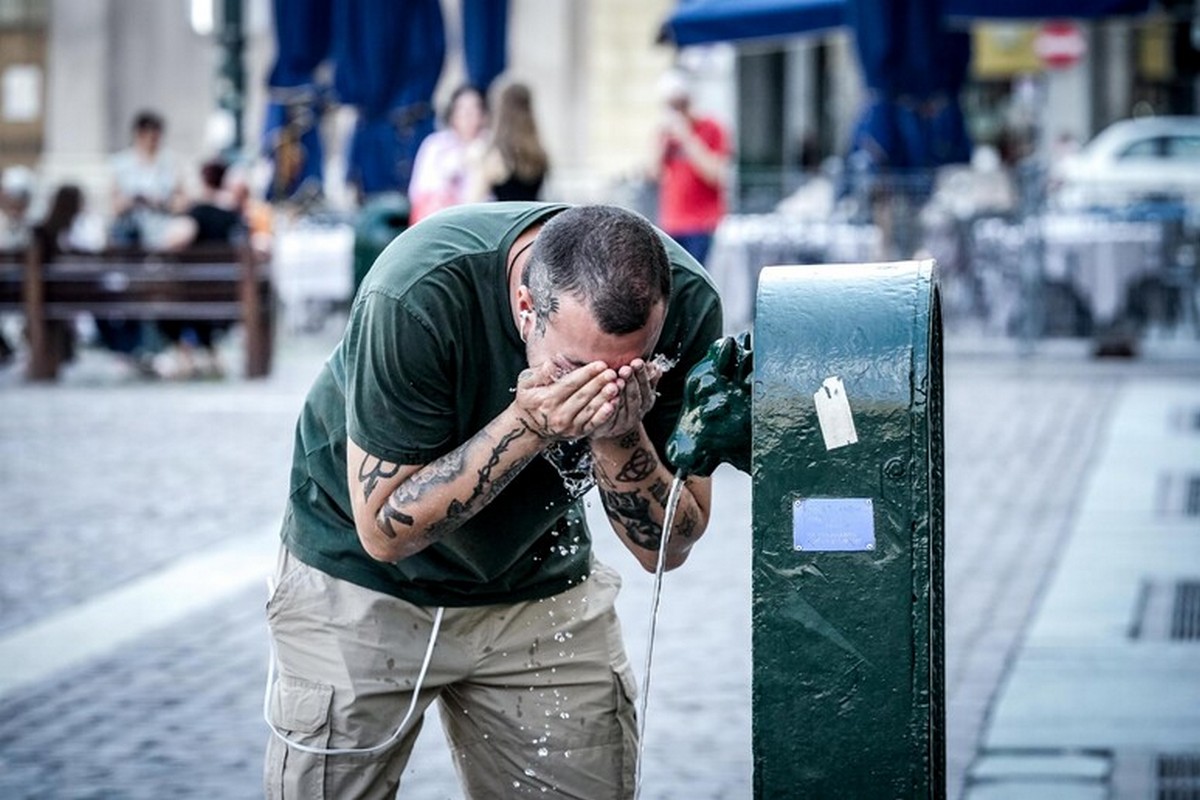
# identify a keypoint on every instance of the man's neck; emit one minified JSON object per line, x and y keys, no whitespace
{"x":517,"y":257}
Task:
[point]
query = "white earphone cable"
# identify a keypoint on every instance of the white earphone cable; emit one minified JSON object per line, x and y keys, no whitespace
{"x":348,"y":751}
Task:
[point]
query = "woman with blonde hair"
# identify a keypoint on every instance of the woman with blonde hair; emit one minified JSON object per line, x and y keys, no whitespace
{"x":514,"y":164}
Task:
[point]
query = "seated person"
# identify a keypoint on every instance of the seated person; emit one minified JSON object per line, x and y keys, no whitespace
{"x":215,"y":218}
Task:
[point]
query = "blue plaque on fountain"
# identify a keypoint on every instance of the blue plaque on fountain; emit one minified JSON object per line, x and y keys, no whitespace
{"x":829,"y":524}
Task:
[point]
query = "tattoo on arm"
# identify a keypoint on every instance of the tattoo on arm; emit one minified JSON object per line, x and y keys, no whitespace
{"x":660,"y":491}
{"x":685,"y":526}
{"x":373,"y":470}
{"x":442,"y":470}
{"x":485,"y":488}
{"x":641,"y":465}
{"x":446,"y":470}
{"x":632,"y":511}
{"x":629,"y":440}
{"x":391,"y":515}
{"x":540,"y":428}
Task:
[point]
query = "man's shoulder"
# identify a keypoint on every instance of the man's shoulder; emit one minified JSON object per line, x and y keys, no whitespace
{"x":472,"y":228}
{"x":452,"y":236}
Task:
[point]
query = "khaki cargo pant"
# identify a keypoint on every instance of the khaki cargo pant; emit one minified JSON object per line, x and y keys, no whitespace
{"x":536,"y":697}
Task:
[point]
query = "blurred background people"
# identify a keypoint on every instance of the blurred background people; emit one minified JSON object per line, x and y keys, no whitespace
{"x":147,"y":188}
{"x":514,"y":164}
{"x":16,"y":189}
{"x":52,"y":235}
{"x":691,"y":169}
{"x":215,"y":218}
{"x":16,"y":193}
{"x":146,"y":191}
{"x":439,"y":177}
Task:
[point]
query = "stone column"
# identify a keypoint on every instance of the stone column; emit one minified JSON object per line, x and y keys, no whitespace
{"x":78,"y":103}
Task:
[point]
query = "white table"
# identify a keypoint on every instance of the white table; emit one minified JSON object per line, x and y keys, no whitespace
{"x":313,"y":270}
{"x":745,"y":243}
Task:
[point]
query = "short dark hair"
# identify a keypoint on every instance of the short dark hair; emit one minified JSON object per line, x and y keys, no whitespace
{"x":212,"y":173}
{"x":610,"y":258}
{"x":459,"y":91}
{"x":147,"y":121}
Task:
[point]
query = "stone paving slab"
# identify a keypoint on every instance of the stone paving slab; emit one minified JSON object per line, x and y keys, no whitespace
{"x":1028,"y":767}
{"x":103,"y":485}
{"x":1093,"y":675}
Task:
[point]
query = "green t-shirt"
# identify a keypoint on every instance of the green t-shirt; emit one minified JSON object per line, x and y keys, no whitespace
{"x":431,"y":355}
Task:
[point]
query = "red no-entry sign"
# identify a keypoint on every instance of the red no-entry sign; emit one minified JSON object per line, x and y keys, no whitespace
{"x":1059,"y":44}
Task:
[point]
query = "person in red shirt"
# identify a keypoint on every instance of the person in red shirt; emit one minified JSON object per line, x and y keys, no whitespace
{"x":691,"y":170}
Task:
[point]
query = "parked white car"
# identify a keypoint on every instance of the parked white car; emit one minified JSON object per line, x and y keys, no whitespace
{"x":1130,"y":161}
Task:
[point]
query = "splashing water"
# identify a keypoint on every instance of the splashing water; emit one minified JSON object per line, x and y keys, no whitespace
{"x":663,"y":363}
{"x":572,"y":460}
{"x":668,"y":521}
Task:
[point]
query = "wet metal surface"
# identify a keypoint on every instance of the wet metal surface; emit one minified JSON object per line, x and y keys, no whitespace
{"x":848,"y":660}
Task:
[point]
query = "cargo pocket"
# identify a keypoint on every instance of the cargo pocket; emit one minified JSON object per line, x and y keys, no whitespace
{"x":300,"y":709}
{"x":625,"y":694}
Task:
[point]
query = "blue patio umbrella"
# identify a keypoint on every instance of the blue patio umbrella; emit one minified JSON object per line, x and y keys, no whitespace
{"x":704,"y":21}
{"x":388,"y":56}
{"x":1042,"y":9}
{"x":485,"y":40}
{"x":914,"y":68}
{"x":291,"y":135}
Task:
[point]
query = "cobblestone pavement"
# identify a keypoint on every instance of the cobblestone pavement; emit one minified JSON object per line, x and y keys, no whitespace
{"x":105,"y":481}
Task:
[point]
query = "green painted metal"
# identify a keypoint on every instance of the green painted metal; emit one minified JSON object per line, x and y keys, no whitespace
{"x":848,"y":695}
{"x":715,"y":424}
{"x":381,"y":219}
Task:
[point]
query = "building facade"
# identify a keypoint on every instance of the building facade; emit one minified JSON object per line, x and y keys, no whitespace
{"x":74,"y":72}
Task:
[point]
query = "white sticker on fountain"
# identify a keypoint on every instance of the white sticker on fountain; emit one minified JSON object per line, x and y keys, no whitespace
{"x":833,"y":412}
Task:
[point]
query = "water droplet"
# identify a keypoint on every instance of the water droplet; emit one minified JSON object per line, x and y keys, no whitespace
{"x":663,"y":362}
{"x":543,"y":751}
{"x":564,"y":715}
{"x":530,"y":773}
{"x":516,"y":784}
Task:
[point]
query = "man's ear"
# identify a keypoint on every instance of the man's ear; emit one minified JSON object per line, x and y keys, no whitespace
{"x":526,"y":316}
{"x":524,"y":301}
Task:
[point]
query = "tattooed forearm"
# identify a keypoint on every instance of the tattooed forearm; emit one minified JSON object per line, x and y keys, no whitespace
{"x":485,"y":489}
{"x":373,"y":470}
{"x":632,"y":511}
{"x":685,"y":526}
{"x":486,"y":486}
{"x":659,"y":491}
{"x":630,"y":440}
{"x":389,"y":515}
{"x":540,"y":428}
{"x":641,"y":465}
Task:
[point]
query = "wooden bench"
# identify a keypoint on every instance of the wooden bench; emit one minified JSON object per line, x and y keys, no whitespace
{"x":213,"y":284}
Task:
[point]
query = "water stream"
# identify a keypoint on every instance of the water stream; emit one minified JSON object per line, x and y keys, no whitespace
{"x":668,"y":521}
